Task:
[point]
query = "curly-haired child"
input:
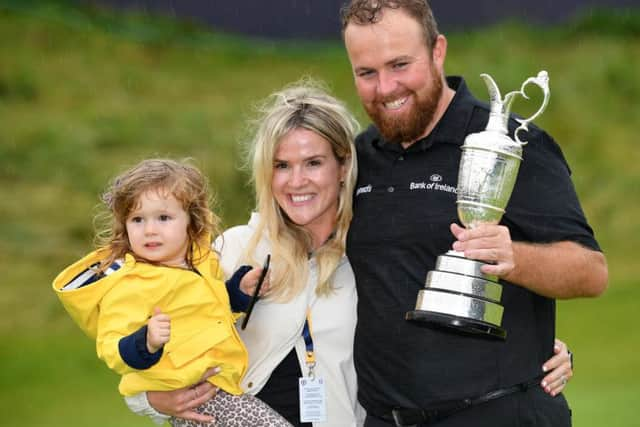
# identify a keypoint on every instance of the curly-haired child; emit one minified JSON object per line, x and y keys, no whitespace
{"x":153,"y":297}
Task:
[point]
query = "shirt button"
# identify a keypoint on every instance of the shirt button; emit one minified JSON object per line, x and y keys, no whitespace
{"x":390,"y":189}
{"x":401,"y":158}
{"x":250,"y":384}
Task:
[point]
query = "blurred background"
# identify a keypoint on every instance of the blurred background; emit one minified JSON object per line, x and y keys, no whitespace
{"x":88,"y":88}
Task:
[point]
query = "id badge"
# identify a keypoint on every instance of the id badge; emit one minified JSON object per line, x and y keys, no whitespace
{"x":313,"y":400}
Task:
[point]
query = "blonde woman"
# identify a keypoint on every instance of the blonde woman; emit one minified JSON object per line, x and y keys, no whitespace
{"x":304,"y":171}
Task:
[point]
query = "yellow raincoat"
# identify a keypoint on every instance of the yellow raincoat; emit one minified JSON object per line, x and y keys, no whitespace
{"x":203,"y":334}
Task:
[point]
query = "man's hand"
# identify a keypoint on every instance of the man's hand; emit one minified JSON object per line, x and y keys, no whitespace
{"x":489,"y":243}
{"x":158,"y":330}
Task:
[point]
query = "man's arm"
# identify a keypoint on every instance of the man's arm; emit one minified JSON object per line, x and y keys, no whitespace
{"x":559,"y":270}
{"x":555,"y":270}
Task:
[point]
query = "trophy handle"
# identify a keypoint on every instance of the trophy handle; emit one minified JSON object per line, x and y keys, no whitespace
{"x":497,"y":117}
{"x":492,"y":87}
{"x":542,"y":81}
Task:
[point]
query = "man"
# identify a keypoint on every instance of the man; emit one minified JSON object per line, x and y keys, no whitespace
{"x":543,"y":249}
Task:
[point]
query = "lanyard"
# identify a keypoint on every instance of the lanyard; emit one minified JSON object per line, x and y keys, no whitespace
{"x":313,"y":397}
{"x":308,"y":342}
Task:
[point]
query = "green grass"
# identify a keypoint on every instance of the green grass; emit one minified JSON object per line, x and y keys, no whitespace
{"x":84,"y":93}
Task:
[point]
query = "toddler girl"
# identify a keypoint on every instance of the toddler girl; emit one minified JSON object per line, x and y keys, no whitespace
{"x":153,"y":297}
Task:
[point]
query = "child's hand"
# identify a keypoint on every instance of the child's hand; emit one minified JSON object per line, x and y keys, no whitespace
{"x":249,"y":282}
{"x":158,"y":330}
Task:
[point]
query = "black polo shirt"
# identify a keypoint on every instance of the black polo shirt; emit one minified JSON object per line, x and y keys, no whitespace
{"x":404,"y":202}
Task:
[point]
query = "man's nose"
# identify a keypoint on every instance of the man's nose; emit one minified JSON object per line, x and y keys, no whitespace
{"x":386,"y":84}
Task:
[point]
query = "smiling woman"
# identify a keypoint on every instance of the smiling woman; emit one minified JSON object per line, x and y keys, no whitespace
{"x":304,"y":171}
{"x":306,"y":182}
{"x":303,"y":147}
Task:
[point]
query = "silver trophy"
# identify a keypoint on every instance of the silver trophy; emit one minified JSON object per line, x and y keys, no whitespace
{"x":457,"y":294}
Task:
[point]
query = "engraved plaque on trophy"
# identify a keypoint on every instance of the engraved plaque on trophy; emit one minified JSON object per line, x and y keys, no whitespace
{"x":457,"y":294}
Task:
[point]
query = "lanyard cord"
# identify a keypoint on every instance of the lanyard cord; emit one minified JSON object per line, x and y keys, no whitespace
{"x":308,"y":342}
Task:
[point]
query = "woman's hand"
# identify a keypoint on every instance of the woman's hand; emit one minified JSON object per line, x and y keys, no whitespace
{"x":559,"y":368}
{"x":182,"y":402}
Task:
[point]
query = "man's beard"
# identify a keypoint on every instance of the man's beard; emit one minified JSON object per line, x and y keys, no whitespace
{"x":409,"y":127}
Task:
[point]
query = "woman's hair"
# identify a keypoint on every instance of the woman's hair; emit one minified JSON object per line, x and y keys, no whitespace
{"x":168,"y":177}
{"x":366,"y":12}
{"x":302,"y":105}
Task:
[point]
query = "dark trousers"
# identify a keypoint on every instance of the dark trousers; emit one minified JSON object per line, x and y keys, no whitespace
{"x":531,"y":408}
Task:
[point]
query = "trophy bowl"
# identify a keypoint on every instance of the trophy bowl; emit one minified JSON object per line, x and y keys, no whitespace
{"x":486,"y":178}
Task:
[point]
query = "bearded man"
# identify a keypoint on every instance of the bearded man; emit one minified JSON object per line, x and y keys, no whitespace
{"x":404,"y":217}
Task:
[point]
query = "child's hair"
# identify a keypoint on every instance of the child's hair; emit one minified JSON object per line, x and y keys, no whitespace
{"x":177,"y":178}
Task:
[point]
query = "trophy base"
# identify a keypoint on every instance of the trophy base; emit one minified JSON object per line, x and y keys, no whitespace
{"x":460,"y":324}
{"x":459,"y":297}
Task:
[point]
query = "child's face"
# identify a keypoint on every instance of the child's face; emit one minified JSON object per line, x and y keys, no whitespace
{"x":157,"y":228}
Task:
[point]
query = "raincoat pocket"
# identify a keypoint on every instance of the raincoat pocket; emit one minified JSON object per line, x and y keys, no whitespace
{"x":184,"y":351}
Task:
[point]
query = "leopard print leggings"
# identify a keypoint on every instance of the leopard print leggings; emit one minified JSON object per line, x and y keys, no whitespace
{"x":235,"y":411}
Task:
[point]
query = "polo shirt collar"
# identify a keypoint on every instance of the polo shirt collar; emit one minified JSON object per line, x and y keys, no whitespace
{"x":452,"y":127}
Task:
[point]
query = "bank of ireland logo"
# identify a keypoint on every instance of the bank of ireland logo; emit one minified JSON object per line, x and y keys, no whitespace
{"x":435,"y":183}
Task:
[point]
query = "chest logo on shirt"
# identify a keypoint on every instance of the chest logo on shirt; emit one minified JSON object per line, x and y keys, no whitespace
{"x":435,"y":183}
{"x":364,"y":189}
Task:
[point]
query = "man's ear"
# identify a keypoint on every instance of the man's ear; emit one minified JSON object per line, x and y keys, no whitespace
{"x":439,"y":52}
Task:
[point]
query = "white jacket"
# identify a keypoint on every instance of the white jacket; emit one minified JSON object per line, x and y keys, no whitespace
{"x":275,"y":328}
